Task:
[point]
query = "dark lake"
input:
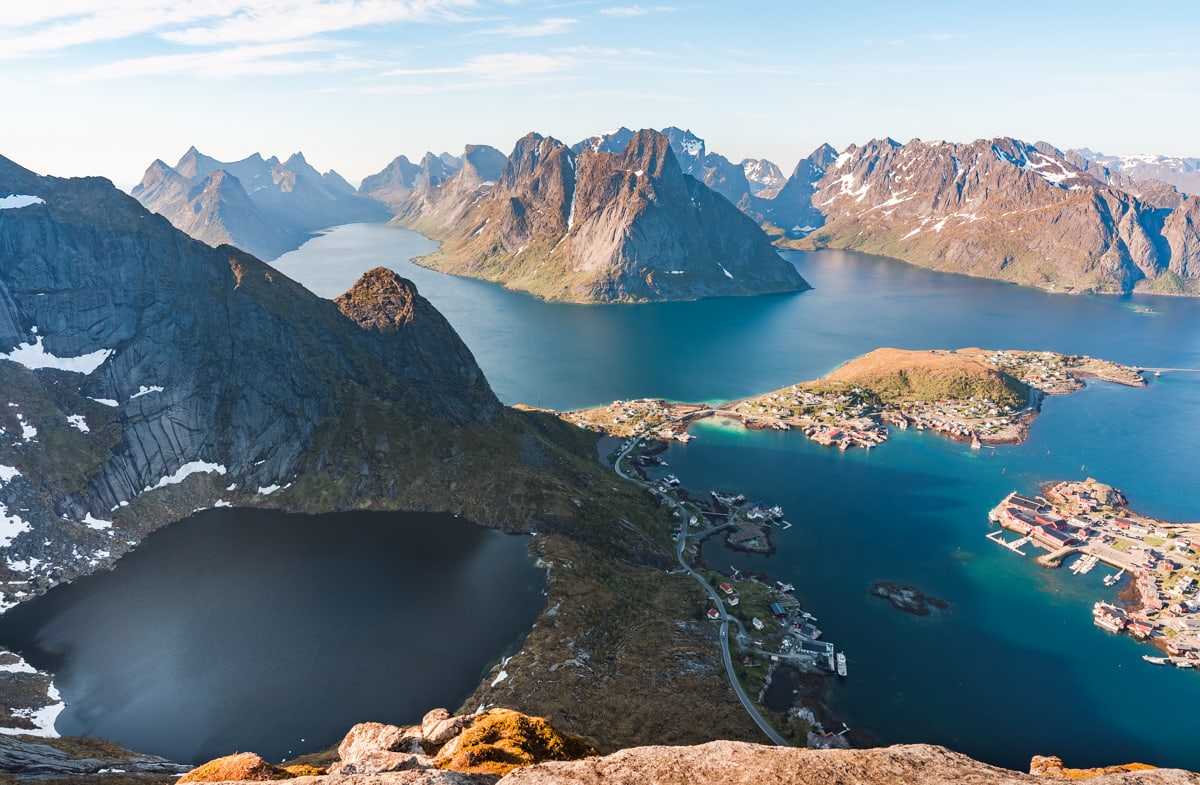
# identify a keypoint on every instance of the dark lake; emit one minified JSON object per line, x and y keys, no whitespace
{"x":240,"y":630}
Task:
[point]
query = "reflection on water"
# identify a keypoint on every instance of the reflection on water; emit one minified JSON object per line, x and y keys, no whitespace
{"x":258,"y":630}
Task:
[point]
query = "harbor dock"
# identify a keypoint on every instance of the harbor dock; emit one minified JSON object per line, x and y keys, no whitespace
{"x":1094,"y":521}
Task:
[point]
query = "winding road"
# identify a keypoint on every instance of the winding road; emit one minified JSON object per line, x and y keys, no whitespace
{"x":723,"y":635}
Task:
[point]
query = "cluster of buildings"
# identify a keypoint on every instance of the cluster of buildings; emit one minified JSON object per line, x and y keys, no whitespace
{"x":651,"y":418}
{"x":1162,"y":560}
{"x":1054,"y":373}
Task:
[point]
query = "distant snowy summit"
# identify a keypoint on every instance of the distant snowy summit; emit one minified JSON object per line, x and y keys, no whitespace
{"x":263,"y":206}
{"x":613,"y":218}
{"x":1182,"y":173}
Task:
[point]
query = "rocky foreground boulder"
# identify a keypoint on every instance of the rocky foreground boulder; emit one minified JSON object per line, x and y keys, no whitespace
{"x":469,"y":748}
{"x":739,"y":763}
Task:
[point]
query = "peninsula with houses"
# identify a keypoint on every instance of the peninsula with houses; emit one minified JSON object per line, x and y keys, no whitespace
{"x":1086,"y":524}
{"x":976,"y":395}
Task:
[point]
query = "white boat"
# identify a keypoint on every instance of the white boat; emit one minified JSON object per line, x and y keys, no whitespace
{"x":1155,"y":660}
{"x":841,"y":664}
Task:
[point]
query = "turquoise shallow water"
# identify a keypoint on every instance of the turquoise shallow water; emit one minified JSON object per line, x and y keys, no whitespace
{"x":1015,"y":667}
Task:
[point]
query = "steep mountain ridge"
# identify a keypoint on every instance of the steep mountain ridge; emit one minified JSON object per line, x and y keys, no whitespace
{"x":1003,"y":208}
{"x":260,"y":205}
{"x":596,"y":226}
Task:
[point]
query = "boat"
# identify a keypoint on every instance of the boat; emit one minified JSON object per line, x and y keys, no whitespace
{"x":841,"y":664}
{"x":1155,"y":660}
{"x":1158,"y":373}
{"x":1185,"y":664}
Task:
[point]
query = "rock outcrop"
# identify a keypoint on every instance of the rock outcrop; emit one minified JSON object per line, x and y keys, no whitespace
{"x":244,"y":766}
{"x":737,"y":763}
{"x":27,"y":759}
{"x":596,"y":226}
{"x":1051,"y":767}
{"x":489,"y":743}
{"x":263,"y":206}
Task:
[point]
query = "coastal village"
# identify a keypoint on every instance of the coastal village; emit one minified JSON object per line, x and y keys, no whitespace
{"x":1087,"y":524}
{"x":846,"y":415}
{"x":771,"y":627}
{"x":974,"y":395}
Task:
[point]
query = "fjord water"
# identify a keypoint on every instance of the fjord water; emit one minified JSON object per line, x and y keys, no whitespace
{"x":1015,"y":667}
{"x":258,"y":630}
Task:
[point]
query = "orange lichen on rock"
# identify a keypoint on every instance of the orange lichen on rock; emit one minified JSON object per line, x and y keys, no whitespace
{"x":243,"y":766}
{"x":1051,"y":767}
{"x":500,"y":740}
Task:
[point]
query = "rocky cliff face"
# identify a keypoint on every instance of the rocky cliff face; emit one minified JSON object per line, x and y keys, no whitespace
{"x":792,"y":209}
{"x":260,"y":205}
{"x":597,"y":226}
{"x":1003,"y":209}
{"x":714,"y":170}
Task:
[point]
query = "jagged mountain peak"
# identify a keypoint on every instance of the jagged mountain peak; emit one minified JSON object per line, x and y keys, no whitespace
{"x":608,"y":142}
{"x":590,"y":224}
{"x":685,"y":142}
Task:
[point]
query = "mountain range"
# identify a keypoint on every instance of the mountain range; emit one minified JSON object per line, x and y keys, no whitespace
{"x":633,"y":216}
{"x":263,"y":206}
{"x":1006,"y":209}
{"x":612,"y":219}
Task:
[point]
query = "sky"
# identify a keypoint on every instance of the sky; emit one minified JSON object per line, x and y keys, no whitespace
{"x":104,"y":87}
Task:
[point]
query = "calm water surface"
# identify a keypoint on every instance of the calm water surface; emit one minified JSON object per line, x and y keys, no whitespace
{"x":257,"y":630}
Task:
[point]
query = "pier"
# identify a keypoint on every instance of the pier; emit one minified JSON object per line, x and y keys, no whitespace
{"x":1014,"y":546}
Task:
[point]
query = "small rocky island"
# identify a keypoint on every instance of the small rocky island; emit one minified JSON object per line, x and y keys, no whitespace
{"x":908,"y":599}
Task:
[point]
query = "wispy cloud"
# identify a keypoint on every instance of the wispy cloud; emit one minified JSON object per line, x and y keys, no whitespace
{"x":262,"y":21}
{"x":33,"y":28}
{"x":553,"y":26}
{"x":626,"y":11}
{"x":277,"y":59}
{"x":495,"y":67}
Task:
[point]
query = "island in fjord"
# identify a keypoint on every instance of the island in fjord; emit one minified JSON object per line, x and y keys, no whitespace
{"x":976,"y":395}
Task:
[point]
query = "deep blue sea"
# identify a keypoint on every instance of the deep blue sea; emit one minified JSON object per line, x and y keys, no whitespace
{"x":1014,"y":667}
